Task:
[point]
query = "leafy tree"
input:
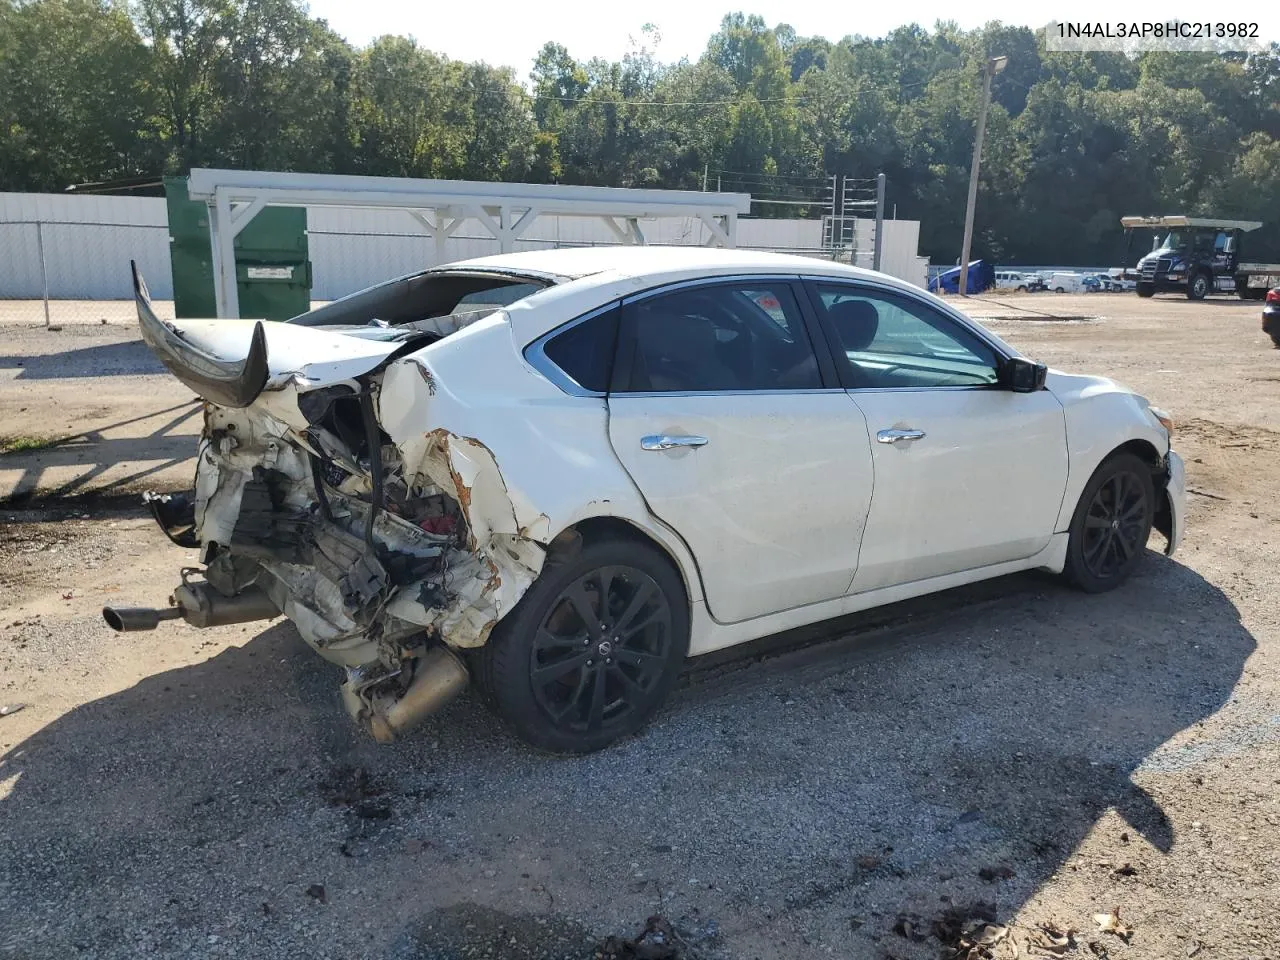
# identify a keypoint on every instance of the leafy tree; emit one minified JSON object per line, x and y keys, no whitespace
{"x":77,"y":102}
{"x":1074,"y":140}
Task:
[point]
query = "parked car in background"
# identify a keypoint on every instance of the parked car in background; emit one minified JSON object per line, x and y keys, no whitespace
{"x":1012,"y":280}
{"x":1066,"y":283}
{"x":1271,"y":316}
{"x":559,"y":473}
{"x":1093,"y":284}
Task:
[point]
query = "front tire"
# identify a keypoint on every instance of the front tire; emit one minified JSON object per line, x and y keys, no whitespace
{"x":1111,"y":524}
{"x":1146,"y":289}
{"x":592,"y":649}
{"x":1198,"y":286}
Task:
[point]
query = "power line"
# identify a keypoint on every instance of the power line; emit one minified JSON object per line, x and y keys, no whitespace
{"x":758,"y":174}
{"x":669,"y":103}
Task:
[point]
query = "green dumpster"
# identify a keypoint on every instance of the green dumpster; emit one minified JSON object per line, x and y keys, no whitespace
{"x":273,"y":272}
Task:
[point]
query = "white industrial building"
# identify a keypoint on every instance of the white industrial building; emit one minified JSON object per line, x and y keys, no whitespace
{"x":81,"y":245}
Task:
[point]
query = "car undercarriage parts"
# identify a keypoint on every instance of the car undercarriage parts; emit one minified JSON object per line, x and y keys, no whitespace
{"x":439,"y":675}
{"x":200,"y":605}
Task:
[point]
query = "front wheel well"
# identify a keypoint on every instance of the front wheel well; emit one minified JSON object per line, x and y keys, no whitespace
{"x":1144,"y":450}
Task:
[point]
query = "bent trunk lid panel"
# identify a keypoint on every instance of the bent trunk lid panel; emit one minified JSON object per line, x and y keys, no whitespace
{"x":230,"y":362}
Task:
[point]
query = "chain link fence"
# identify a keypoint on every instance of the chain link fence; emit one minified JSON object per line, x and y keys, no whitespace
{"x":58,"y":272}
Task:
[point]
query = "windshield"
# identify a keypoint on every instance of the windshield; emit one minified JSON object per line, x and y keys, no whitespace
{"x":1173,"y":240}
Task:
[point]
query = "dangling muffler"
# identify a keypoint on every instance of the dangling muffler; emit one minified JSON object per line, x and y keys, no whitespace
{"x":439,"y":675}
{"x":198,"y":604}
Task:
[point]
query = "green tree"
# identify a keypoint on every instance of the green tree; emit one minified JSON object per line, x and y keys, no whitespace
{"x":77,"y":99}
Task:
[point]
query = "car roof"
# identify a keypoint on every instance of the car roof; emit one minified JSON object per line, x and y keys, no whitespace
{"x":632,"y":261}
{"x":594,"y":276}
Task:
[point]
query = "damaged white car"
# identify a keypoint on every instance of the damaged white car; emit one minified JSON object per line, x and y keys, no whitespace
{"x":561,"y":473}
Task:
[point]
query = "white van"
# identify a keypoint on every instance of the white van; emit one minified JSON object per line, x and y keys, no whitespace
{"x":1066,"y":283}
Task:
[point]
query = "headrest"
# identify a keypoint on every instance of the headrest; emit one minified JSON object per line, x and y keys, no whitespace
{"x":856,"y":323}
{"x":676,"y":332}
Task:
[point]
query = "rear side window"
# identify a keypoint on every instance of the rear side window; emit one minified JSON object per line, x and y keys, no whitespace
{"x":710,"y":339}
{"x":584,"y":352}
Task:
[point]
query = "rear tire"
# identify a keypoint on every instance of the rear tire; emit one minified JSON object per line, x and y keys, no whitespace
{"x":1111,"y":524}
{"x":570,"y":673}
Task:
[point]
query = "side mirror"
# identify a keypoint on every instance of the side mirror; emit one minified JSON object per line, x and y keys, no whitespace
{"x":1023,"y":376}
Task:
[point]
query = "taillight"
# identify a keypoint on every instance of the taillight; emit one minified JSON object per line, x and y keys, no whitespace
{"x":1273,"y":295}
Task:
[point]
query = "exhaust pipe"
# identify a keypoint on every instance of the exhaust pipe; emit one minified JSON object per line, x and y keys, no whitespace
{"x":200,"y":605}
{"x":123,"y":619}
{"x":439,"y":677}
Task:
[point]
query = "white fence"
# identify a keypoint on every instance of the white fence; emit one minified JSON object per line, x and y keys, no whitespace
{"x":79,"y":247}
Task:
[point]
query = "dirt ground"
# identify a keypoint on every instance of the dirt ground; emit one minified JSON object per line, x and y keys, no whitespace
{"x":1014,"y":753}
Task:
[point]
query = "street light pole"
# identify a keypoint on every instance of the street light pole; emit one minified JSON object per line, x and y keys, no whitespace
{"x":993,"y":66}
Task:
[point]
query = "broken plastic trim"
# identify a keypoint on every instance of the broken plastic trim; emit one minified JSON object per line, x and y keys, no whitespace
{"x":176,"y":514}
{"x":224,"y":382}
{"x":373,"y":437}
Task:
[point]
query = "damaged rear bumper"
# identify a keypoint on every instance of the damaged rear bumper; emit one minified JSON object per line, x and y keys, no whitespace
{"x":384,"y":567}
{"x":388,"y":556}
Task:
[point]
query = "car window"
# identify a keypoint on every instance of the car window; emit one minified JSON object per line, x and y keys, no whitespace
{"x":498,"y":296}
{"x":895,"y":341}
{"x":584,"y":352}
{"x":740,"y":336}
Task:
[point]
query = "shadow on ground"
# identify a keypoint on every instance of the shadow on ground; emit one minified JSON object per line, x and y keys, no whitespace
{"x":104,"y":360}
{"x":793,"y":805}
{"x":90,"y":455}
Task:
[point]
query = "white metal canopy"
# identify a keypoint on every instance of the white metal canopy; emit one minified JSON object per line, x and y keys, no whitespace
{"x":506,"y":210}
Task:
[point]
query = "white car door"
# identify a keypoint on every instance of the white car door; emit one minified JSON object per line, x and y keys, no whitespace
{"x":742,"y":441}
{"x":968,"y":473}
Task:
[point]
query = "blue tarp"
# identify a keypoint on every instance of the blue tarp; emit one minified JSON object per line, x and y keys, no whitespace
{"x":982,"y":276}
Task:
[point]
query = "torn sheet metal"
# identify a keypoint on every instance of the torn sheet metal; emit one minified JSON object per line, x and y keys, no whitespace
{"x":256,"y":496}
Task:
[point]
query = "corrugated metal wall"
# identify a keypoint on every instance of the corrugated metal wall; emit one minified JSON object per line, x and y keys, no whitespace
{"x":89,"y":241}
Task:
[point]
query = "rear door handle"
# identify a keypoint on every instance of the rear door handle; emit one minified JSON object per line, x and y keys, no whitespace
{"x":669,"y":441}
{"x":896,"y":436}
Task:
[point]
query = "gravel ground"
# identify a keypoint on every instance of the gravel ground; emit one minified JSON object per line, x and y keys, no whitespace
{"x":1013,"y":751}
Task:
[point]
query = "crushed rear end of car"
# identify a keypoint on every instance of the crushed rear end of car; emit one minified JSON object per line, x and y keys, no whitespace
{"x":391,"y":556}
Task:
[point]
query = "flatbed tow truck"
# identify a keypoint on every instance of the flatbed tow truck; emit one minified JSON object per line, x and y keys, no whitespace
{"x":1197,"y":256}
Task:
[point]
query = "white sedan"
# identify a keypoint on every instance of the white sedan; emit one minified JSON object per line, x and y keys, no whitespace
{"x":561,"y":473}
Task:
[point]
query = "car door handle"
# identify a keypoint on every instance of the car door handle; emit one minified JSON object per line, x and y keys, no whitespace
{"x":669,"y":441}
{"x":895,"y":435}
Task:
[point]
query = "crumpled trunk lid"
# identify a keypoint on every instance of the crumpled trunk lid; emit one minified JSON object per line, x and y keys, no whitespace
{"x":231,"y":362}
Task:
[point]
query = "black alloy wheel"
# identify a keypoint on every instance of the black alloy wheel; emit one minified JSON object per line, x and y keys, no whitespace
{"x":592,"y":649}
{"x":1111,"y":524}
{"x":601,"y":648}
